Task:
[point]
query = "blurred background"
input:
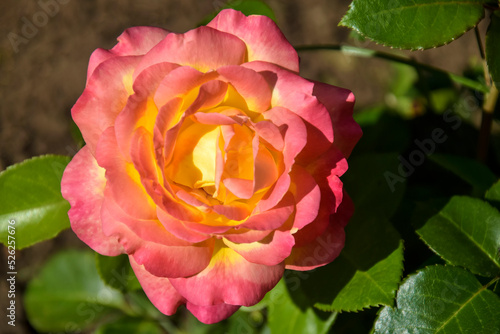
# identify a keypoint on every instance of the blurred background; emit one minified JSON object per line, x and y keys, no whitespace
{"x":42,"y":76}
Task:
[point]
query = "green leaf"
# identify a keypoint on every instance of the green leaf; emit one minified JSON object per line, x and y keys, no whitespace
{"x":116,"y":272}
{"x":413,"y":24}
{"x":31,"y":196}
{"x":128,"y":325}
{"x":68,"y":295}
{"x":493,"y":194}
{"x":469,"y":170}
{"x":365,"y":274}
{"x":466,"y":232}
{"x":374,"y":183}
{"x":286,"y":317}
{"x":493,"y":49}
{"x":247,"y":7}
{"x":441,"y":299}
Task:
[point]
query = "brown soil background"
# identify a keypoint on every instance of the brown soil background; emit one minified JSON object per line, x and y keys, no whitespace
{"x":40,"y":83}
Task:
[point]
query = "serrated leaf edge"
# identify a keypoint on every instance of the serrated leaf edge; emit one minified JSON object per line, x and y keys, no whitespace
{"x":379,"y":42}
{"x":326,"y":308}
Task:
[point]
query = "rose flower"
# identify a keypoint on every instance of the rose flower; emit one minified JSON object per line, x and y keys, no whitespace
{"x":210,"y":162}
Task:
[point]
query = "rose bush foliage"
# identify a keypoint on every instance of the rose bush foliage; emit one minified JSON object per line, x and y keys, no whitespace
{"x":210,"y":162}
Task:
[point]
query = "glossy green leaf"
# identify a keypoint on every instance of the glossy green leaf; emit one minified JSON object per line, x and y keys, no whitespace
{"x":287,"y":317}
{"x":466,"y":232}
{"x":130,"y":326}
{"x":439,"y":300}
{"x":493,"y":49}
{"x":469,"y":170}
{"x":68,"y":294}
{"x":116,"y":272}
{"x":413,"y":24}
{"x":31,"y":196}
{"x":365,"y":274}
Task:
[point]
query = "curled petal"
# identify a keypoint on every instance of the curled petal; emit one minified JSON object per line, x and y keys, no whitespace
{"x":340,"y":103}
{"x":132,"y":42}
{"x":83,"y":185}
{"x":310,"y":253}
{"x":104,"y":97}
{"x":250,"y":85}
{"x":203,"y":48}
{"x":124,"y":181}
{"x":270,"y":251}
{"x":263,"y":38}
{"x":230,"y":279}
{"x":161,"y":253}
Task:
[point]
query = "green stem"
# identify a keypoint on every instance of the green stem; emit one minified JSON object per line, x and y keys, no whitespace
{"x":362,"y":52}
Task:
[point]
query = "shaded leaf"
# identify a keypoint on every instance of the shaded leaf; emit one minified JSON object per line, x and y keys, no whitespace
{"x":469,"y":170}
{"x":287,"y":317}
{"x":493,"y":194}
{"x":68,"y":294}
{"x":413,"y":24}
{"x":116,"y":272}
{"x":493,"y":49}
{"x":441,"y":299}
{"x":466,"y":232}
{"x":31,"y":196}
{"x":366,"y":273}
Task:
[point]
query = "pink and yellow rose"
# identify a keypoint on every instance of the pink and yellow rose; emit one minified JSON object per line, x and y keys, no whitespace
{"x":210,"y":162}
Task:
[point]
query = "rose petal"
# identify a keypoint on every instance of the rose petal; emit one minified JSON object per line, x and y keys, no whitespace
{"x":311,"y":253}
{"x":123,"y":179}
{"x":104,"y":97}
{"x":307,"y":196}
{"x":140,"y":109}
{"x":203,"y":48}
{"x":270,"y":251}
{"x":213,"y":313}
{"x":158,"y":289}
{"x":294,"y":93}
{"x":263,"y":39}
{"x":132,"y":42}
{"x":230,"y":279}
{"x":161,"y":253}
{"x":340,"y":103}
{"x":250,"y":85}
{"x":82,"y":186}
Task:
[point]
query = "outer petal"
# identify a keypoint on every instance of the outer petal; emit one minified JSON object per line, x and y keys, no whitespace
{"x":327,"y":246}
{"x":83,"y":185}
{"x":158,"y":289}
{"x":212,"y":314}
{"x":230,"y":279}
{"x":104,"y":97}
{"x":132,"y":42}
{"x":340,"y":103}
{"x":203,"y":48}
{"x":263,"y":38}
